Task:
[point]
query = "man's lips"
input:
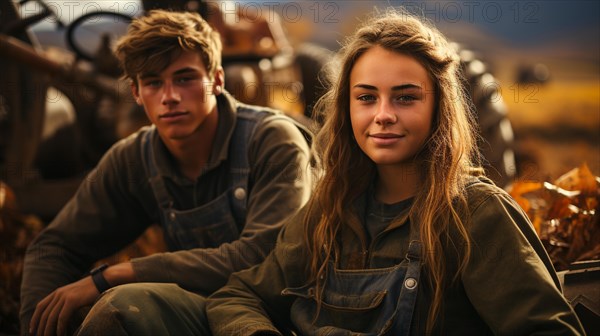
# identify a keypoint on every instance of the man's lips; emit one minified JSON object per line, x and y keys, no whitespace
{"x":170,"y":115}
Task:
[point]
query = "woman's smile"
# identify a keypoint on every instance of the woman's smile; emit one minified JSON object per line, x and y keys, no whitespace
{"x":385,"y":139}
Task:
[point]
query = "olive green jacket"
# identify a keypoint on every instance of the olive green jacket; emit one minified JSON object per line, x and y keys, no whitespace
{"x":115,"y":204}
{"x":509,"y":286}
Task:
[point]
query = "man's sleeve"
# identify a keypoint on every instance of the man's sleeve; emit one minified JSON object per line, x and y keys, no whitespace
{"x":99,"y":220}
{"x":279,"y":160}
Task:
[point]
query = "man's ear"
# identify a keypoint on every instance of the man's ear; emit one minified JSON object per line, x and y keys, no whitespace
{"x":135,"y":93}
{"x":219,"y":83}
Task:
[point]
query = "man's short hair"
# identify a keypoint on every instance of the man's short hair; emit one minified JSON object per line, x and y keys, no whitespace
{"x":153,"y":41}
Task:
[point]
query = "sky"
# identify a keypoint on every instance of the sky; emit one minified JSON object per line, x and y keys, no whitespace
{"x":523,"y":22}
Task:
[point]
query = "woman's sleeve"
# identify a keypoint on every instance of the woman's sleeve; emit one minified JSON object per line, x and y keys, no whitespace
{"x":509,"y":278}
{"x":251,"y":303}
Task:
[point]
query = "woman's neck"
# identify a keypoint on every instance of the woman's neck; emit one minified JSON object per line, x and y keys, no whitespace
{"x":397,"y":183}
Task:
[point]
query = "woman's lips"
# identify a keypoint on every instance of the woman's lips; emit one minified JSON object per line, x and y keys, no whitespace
{"x":385,"y":139}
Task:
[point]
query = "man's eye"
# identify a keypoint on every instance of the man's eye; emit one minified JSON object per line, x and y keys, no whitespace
{"x":183,"y":79}
{"x":152,"y":83}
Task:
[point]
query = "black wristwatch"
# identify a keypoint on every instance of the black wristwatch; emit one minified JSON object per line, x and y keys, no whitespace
{"x":98,"y":278}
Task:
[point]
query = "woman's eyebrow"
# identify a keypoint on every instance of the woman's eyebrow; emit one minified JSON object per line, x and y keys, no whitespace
{"x":405,"y":87}
{"x":394,"y":88}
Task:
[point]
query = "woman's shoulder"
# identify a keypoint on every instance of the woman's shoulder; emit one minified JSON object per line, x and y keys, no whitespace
{"x":302,"y":221}
{"x":491,"y":206}
{"x":480,"y":189}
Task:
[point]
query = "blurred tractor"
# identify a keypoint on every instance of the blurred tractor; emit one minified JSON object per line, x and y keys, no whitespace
{"x":497,"y":139}
{"x":261,"y":67}
{"x":83,"y":89}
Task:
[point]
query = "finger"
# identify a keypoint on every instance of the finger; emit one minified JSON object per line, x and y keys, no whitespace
{"x":41,"y":325}
{"x":52,"y":321}
{"x":64,"y":317}
{"x":37,"y":314}
{"x":45,"y":319}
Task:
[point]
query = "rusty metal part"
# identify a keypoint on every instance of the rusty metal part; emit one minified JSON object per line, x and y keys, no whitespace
{"x":15,"y":50}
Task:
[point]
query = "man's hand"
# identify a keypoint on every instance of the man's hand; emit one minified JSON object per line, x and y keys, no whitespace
{"x":53,"y":313}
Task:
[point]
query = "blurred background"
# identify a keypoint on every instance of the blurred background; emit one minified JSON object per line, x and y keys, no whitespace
{"x":544,"y":56}
{"x":532,"y":68}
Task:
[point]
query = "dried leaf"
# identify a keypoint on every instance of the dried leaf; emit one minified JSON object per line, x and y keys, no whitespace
{"x":580,"y":179}
{"x":565,"y":214}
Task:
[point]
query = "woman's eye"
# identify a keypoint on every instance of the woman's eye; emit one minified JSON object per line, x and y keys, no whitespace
{"x":406,"y":99}
{"x":366,"y":98}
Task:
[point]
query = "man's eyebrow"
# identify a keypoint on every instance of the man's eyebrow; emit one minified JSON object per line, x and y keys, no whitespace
{"x":394,"y":88}
{"x":148,"y":75}
{"x":178,"y":72}
{"x":185,"y":70}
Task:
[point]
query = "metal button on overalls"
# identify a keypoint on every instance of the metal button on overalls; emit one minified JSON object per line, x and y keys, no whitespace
{"x":239,"y":193}
{"x":410,"y":283}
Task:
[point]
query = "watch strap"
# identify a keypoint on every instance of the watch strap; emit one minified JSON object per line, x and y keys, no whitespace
{"x":99,"y":279}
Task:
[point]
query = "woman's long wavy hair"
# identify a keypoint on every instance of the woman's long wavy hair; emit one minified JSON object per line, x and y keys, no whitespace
{"x":446,"y":160}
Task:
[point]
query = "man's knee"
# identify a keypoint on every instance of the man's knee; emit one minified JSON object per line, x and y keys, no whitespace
{"x":142,"y":307}
{"x":118,"y":309}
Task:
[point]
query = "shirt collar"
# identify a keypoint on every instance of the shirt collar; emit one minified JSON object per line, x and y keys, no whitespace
{"x":227,"y":108}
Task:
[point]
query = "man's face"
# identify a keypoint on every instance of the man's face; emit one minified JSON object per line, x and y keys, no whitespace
{"x":180,"y":98}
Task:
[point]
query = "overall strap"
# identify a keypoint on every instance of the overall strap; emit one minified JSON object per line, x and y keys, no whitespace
{"x":156,"y":181}
{"x":239,"y":167}
{"x":410,"y":286}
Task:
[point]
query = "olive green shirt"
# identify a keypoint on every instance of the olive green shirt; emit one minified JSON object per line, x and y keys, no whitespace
{"x":508,"y":288}
{"x":115,"y":204}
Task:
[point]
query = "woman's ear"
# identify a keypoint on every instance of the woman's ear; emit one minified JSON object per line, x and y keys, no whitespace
{"x":219,"y":83}
{"x":135,"y":93}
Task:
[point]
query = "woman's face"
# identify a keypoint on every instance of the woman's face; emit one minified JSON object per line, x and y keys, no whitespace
{"x":391,"y":105}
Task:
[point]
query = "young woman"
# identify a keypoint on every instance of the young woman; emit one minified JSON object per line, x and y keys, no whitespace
{"x":403,"y":235}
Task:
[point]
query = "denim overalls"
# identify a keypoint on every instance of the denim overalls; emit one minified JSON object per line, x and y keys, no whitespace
{"x":361,"y":302}
{"x":221,"y":220}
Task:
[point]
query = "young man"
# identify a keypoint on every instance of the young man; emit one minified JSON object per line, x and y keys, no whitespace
{"x":219,"y":176}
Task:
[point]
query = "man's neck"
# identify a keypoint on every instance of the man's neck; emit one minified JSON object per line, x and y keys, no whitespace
{"x":192,"y":153}
{"x":191,"y":157}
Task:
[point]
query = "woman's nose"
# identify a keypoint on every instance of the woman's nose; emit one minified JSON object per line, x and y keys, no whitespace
{"x":385,"y":114}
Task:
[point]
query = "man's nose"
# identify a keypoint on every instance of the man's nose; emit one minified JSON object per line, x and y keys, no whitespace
{"x":170,"y":94}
